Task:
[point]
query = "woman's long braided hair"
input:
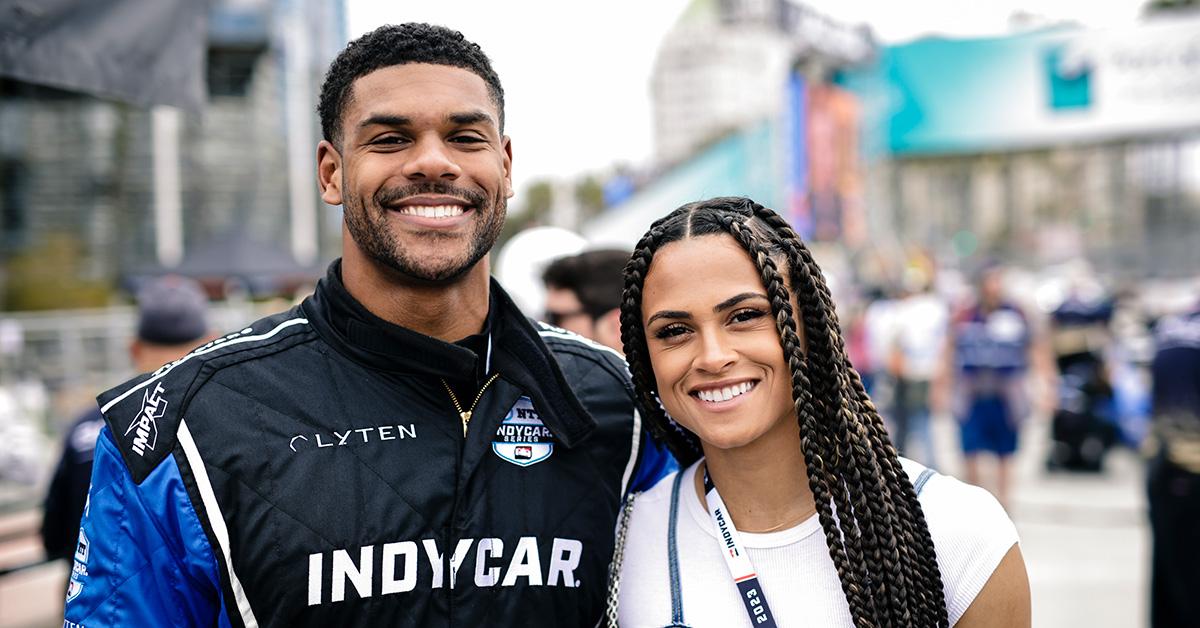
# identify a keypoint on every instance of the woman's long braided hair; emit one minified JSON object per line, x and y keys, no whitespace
{"x":874,"y":526}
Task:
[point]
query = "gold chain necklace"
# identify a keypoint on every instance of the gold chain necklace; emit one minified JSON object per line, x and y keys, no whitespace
{"x":786,"y":524}
{"x":466,"y":414}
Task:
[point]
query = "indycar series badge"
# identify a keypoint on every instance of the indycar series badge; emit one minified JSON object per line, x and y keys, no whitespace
{"x":522,"y":438}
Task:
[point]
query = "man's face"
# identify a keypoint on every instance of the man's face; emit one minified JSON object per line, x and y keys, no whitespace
{"x":423,"y":173}
{"x":991,"y":287}
{"x":564,"y":310}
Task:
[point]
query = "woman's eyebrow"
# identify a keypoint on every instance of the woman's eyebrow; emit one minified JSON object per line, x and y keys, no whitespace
{"x":668,"y":314}
{"x":734,"y":300}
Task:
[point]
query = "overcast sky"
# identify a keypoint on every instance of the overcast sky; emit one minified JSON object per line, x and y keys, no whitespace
{"x":576,"y":75}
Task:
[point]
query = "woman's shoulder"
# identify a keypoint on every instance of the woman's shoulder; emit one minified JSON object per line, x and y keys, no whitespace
{"x":656,"y":501}
{"x":952,"y":503}
{"x":971,"y":532}
{"x":643,"y":563}
{"x":652,"y":508}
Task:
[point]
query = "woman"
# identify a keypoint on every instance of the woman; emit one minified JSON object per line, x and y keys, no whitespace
{"x":736,"y":355}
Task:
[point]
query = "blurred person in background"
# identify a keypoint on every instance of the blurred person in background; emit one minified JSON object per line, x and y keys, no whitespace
{"x":918,"y":328}
{"x":172,"y":319}
{"x":583,"y":294}
{"x":1083,"y":427}
{"x":1173,"y":474}
{"x":990,"y":351}
{"x":336,"y":463}
{"x":877,"y":332}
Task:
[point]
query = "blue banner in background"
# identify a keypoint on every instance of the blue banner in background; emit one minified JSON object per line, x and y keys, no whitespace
{"x":798,"y":211}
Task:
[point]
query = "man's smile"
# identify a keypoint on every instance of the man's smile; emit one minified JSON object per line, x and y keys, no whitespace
{"x":432,"y":210}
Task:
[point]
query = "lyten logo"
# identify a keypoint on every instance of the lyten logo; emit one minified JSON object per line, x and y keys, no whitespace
{"x":145,"y":424}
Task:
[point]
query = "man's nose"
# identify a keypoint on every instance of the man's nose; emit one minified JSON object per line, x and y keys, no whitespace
{"x":431,"y":159}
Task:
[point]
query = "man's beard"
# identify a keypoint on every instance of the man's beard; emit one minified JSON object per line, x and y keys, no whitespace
{"x":370,"y":230}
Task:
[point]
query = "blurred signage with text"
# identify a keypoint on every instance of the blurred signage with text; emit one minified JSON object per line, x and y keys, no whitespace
{"x":1057,"y":85}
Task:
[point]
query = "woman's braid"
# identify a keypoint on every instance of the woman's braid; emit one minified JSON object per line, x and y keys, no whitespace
{"x":843,"y":545}
{"x":685,"y":445}
{"x":914,"y":547}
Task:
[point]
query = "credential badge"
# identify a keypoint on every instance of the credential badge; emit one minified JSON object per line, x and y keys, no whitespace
{"x":522,"y":438}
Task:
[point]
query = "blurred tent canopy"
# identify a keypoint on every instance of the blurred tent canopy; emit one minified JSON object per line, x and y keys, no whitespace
{"x":143,"y":52}
{"x":232,"y":262}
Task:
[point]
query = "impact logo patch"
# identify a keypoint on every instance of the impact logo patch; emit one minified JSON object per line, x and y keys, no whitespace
{"x":145,"y":425}
{"x":522,"y":438}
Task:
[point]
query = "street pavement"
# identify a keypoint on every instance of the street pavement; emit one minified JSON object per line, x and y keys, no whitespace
{"x":1084,"y":537}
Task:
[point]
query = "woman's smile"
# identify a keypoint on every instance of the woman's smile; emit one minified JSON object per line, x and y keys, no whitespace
{"x":721,"y":396}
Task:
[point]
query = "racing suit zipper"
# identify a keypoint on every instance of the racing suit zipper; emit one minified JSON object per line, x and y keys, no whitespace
{"x":450,"y":537}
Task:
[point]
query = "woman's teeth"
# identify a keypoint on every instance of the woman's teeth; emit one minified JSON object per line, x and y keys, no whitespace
{"x":726,"y":393}
{"x":432,"y":211}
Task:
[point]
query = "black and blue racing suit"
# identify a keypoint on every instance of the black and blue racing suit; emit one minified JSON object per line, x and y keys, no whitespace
{"x":312,"y":469}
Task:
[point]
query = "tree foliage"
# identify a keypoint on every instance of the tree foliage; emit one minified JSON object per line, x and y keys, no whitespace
{"x":47,"y":276}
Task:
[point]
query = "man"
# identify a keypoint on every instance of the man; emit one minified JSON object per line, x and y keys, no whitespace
{"x":172,"y":319}
{"x":1173,"y":476}
{"x":990,"y":350}
{"x":583,"y":294}
{"x":402,"y":448}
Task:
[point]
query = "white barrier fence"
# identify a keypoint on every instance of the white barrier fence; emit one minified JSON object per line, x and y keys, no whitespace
{"x":52,"y":365}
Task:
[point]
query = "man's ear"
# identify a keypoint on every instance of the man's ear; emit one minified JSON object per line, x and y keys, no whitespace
{"x":329,"y":172}
{"x":506,"y":141}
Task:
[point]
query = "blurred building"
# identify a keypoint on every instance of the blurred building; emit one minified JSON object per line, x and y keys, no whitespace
{"x":1056,"y":144}
{"x":1038,"y":147}
{"x":721,"y":67}
{"x":744,"y":104}
{"x":92,"y":191}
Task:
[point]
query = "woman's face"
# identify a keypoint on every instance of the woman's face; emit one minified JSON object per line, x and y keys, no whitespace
{"x":716,"y":355}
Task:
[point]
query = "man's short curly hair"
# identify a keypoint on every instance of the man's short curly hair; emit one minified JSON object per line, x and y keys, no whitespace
{"x":397,"y":45}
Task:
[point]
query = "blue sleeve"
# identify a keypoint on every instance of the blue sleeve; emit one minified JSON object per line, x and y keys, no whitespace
{"x":142,"y":557}
{"x":655,"y":464}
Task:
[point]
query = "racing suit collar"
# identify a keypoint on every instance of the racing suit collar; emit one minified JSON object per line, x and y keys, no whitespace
{"x":517,"y":352}
{"x":522,"y":358}
{"x":370,"y":340}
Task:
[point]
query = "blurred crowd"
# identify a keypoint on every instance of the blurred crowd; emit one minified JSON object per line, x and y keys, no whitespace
{"x":993,"y":340}
{"x":990,"y":347}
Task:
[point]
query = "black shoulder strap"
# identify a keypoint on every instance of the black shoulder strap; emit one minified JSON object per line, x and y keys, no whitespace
{"x":673,"y":555}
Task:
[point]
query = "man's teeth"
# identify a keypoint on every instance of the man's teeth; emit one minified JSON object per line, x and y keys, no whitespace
{"x":726,"y":393}
{"x":432,"y":211}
